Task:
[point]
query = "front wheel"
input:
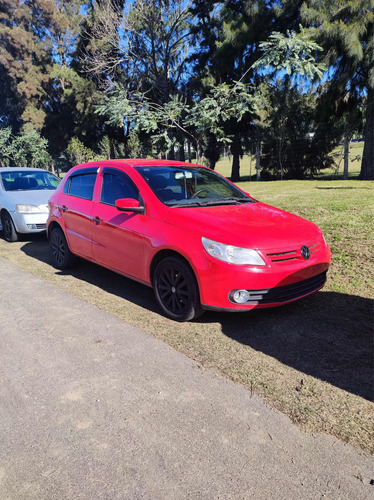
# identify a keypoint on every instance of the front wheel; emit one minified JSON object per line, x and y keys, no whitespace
{"x":176,"y":290}
{"x":63,"y":258}
{"x":9,"y":231}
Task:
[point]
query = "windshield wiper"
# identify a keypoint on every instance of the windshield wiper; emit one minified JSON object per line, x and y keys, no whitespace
{"x":225,"y":201}
{"x":183,"y":205}
{"x":214,"y":202}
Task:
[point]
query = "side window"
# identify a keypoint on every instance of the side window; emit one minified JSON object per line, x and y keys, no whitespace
{"x":116,"y":186}
{"x":81,"y":185}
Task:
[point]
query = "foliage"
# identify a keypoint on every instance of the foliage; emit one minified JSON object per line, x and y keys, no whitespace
{"x":77,"y":152}
{"x":203,"y":117}
{"x":293,"y":52}
{"x":345,"y":29}
{"x":184,"y":71}
{"x":27,"y":149}
{"x":294,"y":145}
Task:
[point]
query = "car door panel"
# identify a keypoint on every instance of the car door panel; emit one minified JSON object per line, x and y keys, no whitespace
{"x":118,"y":237}
{"x":76,"y":208}
{"x":77,"y":216}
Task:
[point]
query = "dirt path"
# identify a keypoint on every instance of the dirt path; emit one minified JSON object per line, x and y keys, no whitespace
{"x":91,"y":407}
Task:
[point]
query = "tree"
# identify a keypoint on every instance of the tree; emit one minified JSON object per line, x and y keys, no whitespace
{"x":5,"y":146}
{"x":345,"y":29}
{"x":295,"y":145}
{"x":27,"y":149}
{"x":209,"y":115}
{"x":26,"y":56}
{"x":143,"y":47}
{"x":77,"y":152}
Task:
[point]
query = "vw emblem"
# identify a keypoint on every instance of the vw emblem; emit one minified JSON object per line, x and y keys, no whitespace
{"x":305,"y":252}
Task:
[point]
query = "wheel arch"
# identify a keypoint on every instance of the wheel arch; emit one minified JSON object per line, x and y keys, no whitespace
{"x":53,"y":225}
{"x":5,"y":211}
{"x":162,"y":254}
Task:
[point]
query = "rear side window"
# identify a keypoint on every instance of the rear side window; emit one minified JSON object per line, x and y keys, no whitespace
{"x":81,"y":185}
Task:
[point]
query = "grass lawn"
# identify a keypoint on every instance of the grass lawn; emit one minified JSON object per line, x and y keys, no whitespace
{"x":313,"y":359}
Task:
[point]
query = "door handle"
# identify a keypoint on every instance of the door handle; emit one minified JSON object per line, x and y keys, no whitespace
{"x":97,"y":220}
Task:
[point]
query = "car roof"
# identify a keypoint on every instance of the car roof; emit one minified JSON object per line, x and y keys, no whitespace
{"x":137,"y":162}
{"x":26,"y":169}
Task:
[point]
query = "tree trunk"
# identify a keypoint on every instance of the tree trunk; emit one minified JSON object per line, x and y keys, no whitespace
{"x":347,"y":140}
{"x":237,"y":153}
{"x":258,"y":159}
{"x":182,"y":156}
{"x":171,"y":154}
{"x":189,"y":150}
{"x":367,"y":164}
{"x":212,"y":151}
{"x":199,"y":152}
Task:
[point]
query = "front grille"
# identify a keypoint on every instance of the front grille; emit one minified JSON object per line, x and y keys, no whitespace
{"x":41,"y":226}
{"x":292,"y":254}
{"x":286,"y":293}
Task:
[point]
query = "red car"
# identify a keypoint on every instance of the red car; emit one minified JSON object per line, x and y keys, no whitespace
{"x":188,"y":232}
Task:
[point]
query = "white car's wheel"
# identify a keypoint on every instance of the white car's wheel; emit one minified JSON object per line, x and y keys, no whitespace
{"x":9,"y":231}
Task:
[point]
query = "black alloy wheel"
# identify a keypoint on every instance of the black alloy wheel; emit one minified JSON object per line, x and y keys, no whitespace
{"x":176,"y":290}
{"x":62,"y":256}
{"x":9,"y":231}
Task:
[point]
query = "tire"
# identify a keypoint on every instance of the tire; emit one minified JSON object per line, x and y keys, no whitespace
{"x":9,"y":231}
{"x":176,"y":290}
{"x":63,"y":258}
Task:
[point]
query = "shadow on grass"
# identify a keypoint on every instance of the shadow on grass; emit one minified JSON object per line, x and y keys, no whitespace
{"x":327,"y":335}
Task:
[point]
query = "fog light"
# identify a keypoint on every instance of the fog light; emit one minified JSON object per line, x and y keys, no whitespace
{"x":239,"y":296}
{"x":31,"y":226}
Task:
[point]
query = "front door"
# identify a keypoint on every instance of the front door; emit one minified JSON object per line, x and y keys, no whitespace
{"x":118,"y":237}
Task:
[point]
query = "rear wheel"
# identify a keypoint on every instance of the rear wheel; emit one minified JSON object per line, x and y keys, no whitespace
{"x":63,"y":258}
{"x":176,"y":290}
{"x":9,"y":231}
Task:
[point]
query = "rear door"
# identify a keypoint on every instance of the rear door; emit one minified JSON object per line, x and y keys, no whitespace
{"x":118,"y":237}
{"x":76,"y":206}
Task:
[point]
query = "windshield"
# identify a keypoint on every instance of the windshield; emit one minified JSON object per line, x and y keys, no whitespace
{"x":191,"y":186}
{"x":28,"y":180}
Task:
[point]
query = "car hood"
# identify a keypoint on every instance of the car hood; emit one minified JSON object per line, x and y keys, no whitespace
{"x":253,"y":225}
{"x":37,"y":197}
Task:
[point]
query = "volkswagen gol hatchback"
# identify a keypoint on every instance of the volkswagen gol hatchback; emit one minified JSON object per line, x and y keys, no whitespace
{"x":188,"y":232}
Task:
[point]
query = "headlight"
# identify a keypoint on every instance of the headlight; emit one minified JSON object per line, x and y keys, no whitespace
{"x":231,"y":254}
{"x":27,"y":209}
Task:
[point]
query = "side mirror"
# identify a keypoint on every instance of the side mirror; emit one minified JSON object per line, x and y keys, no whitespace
{"x":129,"y":205}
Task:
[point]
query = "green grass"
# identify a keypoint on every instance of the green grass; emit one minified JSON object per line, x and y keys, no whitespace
{"x":313,"y":359}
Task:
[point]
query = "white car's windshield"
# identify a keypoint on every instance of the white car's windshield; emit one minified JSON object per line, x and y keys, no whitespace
{"x":18,"y":180}
{"x":189,"y":186}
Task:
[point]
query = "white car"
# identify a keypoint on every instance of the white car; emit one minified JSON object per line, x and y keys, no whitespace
{"x":24,"y":195}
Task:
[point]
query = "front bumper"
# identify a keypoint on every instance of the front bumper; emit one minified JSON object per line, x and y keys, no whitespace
{"x":30,"y":223}
{"x":272,"y":285}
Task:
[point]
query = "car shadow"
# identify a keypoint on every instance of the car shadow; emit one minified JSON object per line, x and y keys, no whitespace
{"x":328,"y":335}
{"x":38,"y":248}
